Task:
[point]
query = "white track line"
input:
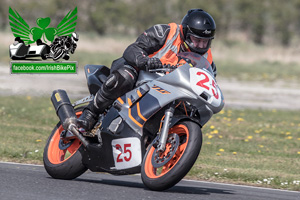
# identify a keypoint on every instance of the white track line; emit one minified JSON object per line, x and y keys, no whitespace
{"x":245,"y":186}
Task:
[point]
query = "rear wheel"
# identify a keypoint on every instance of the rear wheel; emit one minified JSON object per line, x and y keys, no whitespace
{"x":63,"y":160}
{"x":161,"y":171}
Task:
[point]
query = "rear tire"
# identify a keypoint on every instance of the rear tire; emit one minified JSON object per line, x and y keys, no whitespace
{"x":174,"y":170}
{"x":57,"y":162}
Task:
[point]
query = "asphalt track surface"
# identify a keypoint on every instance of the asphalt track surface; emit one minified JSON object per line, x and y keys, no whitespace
{"x":31,"y":182}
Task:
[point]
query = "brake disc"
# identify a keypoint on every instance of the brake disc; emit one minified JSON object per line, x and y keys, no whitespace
{"x":62,"y":145}
{"x":159,"y":159}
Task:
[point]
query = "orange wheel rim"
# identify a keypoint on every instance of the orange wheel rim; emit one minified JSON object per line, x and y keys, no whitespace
{"x":153,"y":172}
{"x":55,"y":154}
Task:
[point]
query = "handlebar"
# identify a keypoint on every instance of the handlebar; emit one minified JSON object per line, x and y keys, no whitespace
{"x":164,"y":69}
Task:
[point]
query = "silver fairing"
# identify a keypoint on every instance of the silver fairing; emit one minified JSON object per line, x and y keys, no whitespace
{"x":179,"y":85}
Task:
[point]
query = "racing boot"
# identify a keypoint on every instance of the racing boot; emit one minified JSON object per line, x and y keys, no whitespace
{"x":90,"y":114}
{"x":87,"y":120}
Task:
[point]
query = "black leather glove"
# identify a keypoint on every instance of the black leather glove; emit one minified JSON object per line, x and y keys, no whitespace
{"x":170,"y":66}
{"x":154,"y":63}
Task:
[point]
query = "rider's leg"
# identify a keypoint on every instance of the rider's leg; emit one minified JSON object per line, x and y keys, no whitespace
{"x":117,"y":84}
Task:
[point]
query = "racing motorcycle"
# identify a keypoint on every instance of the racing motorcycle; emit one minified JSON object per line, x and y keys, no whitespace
{"x":154,"y":129}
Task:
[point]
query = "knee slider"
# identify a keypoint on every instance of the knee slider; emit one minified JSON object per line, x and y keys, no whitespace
{"x":111,"y":82}
{"x":129,"y":76}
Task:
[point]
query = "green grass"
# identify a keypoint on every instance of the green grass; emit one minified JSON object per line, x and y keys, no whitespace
{"x":259,"y":71}
{"x":254,"y":147}
{"x":257,"y":147}
{"x":85,"y":58}
{"x":26,"y":123}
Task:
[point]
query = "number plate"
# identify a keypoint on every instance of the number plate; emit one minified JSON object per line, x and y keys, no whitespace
{"x":127,"y":152}
{"x":203,"y":82}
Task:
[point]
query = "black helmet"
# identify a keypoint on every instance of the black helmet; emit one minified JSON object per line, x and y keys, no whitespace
{"x":198,"y":24}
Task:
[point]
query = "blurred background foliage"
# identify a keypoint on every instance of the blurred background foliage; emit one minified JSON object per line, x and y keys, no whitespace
{"x":262,"y":22}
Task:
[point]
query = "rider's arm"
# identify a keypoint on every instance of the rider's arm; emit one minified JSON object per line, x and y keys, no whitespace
{"x":147,"y":43}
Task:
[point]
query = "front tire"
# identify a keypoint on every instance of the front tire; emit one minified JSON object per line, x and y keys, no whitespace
{"x":58,"y":53}
{"x":63,"y":164}
{"x":174,"y":169}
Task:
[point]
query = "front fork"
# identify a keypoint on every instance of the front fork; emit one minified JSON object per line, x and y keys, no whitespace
{"x":161,"y":146}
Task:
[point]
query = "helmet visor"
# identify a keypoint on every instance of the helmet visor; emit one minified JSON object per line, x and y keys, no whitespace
{"x":197,"y":42}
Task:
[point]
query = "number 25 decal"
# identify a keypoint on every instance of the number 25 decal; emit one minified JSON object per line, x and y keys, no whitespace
{"x":126,"y":150}
{"x":206,"y":81}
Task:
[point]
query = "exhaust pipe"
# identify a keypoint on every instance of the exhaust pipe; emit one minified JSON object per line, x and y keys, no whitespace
{"x":66,"y":113}
{"x":64,"y":108}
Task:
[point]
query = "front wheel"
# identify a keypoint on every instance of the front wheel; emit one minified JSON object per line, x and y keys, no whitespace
{"x":161,"y":171}
{"x":63,"y":163}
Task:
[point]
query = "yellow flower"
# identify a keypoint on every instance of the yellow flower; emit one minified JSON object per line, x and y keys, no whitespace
{"x":298,"y":152}
{"x":289,"y":137}
{"x":261,"y":146}
{"x":212,"y":127}
{"x":222,"y":112}
{"x":220,"y":136}
{"x":218,"y":154}
{"x":38,"y":140}
{"x":288,"y":133}
{"x":215,"y":132}
{"x":298,"y":138}
{"x":250,"y":137}
{"x":210,"y":136}
{"x":240,"y":119}
{"x":246,"y":140}
{"x":258,"y":131}
{"x":221,"y":150}
{"x":227,"y":119}
{"x":234,"y":153}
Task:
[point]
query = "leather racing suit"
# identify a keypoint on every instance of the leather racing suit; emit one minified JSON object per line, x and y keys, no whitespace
{"x":124,"y":71}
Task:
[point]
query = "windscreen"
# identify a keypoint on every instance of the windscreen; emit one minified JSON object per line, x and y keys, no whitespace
{"x":196,"y":60}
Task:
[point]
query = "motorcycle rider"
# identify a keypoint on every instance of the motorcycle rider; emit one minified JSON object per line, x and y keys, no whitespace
{"x":62,"y":45}
{"x":156,"y":47}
